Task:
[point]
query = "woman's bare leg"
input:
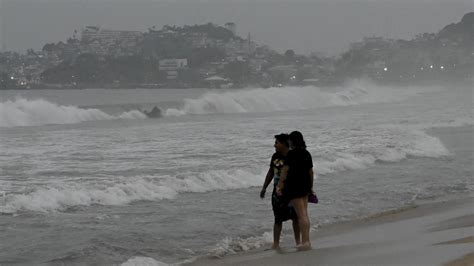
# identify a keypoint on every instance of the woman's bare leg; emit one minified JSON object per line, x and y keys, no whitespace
{"x":302,"y":212}
{"x":296,"y":231}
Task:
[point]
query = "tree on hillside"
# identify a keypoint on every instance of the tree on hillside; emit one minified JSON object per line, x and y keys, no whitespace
{"x":87,"y":68}
{"x":49,"y":47}
{"x":126,"y":68}
{"x":289,"y":53}
{"x":290,"y":56}
{"x":211,"y":30}
{"x":199,"y":56}
{"x":62,"y":73}
{"x":237,"y":71}
{"x":5,"y":81}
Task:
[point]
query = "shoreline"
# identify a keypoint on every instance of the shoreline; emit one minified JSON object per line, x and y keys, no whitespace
{"x":410,"y":234}
{"x":435,"y":233}
{"x":133,"y":86}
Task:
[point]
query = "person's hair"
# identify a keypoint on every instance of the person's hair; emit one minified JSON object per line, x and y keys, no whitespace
{"x":283,"y":139}
{"x":297,"y":139}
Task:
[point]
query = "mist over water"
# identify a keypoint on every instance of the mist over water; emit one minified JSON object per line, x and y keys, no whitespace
{"x":35,"y":112}
{"x":291,"y":98}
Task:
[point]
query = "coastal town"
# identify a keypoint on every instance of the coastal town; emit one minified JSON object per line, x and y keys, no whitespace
{"x":215,"y":56}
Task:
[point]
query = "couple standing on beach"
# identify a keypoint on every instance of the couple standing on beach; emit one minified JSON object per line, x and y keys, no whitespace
{"x":291,"y":169}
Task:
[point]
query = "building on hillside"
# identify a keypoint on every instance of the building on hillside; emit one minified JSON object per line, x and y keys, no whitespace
{"x":256,"y":64}
{"x":241,"y":47}
{"x":197,"y":39}
{"x":172,"y":66}
{"x":91,"y":33}
{"x":282,"y":73}
{"x":113,"y":42}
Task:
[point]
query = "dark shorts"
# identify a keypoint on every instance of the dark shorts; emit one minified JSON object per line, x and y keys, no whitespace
{"x":294,"y":191}
{"x":281,"y":210}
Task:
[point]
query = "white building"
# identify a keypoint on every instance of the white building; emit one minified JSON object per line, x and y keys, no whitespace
{"x":92,"y":33}
{"x":171,"y":66}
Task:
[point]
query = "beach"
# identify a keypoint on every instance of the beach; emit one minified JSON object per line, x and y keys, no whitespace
{"x":86,"y":178}
{"x":433,"y":234}
{"x":440,"y":232}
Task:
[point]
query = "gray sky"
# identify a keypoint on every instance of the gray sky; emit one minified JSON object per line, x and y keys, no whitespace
{"x":326,"y":26}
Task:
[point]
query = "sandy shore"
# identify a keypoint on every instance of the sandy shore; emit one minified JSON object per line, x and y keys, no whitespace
{"x":433,"y":234}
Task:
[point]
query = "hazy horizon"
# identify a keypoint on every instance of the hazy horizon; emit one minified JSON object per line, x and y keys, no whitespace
{"x":316,"y":26}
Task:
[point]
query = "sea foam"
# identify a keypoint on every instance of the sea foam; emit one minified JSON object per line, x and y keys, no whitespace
{"x":124,"y":190}
{"x":24,"y":112}
{"x":292,"y":98}
{"x":144,"y":261}
{"x":61,"y":196}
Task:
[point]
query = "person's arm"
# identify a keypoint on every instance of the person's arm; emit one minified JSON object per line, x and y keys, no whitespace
{"x":268,"y":180}
{"x":311,"y":178}
{"x":283,"y":175}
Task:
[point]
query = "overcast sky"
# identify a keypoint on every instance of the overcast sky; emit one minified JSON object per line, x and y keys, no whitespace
{"x":327,"y":26}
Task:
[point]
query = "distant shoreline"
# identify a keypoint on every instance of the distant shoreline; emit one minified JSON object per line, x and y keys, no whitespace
{"x":465,"y":82}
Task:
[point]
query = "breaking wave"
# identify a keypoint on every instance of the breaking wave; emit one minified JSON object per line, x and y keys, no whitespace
{"x":23,"y":112}
{"x":60,"y":197}
{"x":230,"y":245}
{"x":412,"y":143}
{"x":122,"y":190}
{"x":292,"y":98}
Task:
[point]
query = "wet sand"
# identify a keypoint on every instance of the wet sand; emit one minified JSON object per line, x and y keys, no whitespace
{"x":439,"y":233}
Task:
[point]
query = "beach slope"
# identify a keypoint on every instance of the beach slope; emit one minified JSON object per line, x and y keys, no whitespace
{"x":439,"y":233}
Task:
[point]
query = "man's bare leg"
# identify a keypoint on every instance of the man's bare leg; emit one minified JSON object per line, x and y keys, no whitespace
{"x":276,"y":235}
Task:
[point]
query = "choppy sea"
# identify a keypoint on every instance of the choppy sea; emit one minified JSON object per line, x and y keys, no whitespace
{"x":85,"y":177}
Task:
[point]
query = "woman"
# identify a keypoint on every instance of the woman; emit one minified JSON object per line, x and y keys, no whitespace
{"x":296,"y":183}
{"x":281,"y":210}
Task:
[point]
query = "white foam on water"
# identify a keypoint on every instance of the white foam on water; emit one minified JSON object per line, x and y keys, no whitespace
{"x":346,"y":162}
{"x":60,"y":197}
{"x":410,"y":142}
{"x":24,"y":112}
{"x":292,"y":98}
{"x":63,"y":196}
{"x":144,"y":261}
{"x":231,"y":245}
{"x":122,"y":190}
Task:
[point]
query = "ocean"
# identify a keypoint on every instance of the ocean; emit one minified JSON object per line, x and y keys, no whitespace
{"x":85,"y":177}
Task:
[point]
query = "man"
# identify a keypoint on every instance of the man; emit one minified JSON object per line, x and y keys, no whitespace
{"x":281,"y":210}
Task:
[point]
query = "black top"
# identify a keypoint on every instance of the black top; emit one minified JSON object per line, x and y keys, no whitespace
{"x":298,"y":182}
